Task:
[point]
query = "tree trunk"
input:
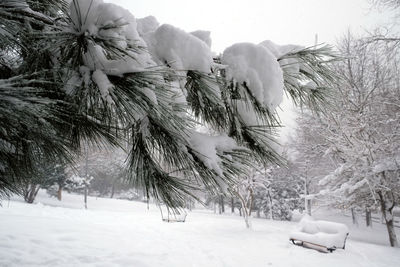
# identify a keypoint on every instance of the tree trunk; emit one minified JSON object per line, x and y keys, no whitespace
{"x":112,"y":190}
{"x":368,"y":217}
{"x":392,"y":234}
{"x":222,"y":203}
{"x":232,"y":205}
{"x":31,"y":193}
{"x":258,"y":213}
{"x":247,"y":220}
{"x":271,"y":217}
{"x":308,"y":206}
{"x":246,"y":205}
{"x":86,"y":175}
{"x":85,"y":196}
{"x":59,"y":192}
{"x":307,"y":202}
{"x":26,"y":192}
{"x":387,"y":212}
{"x":354,"y":216}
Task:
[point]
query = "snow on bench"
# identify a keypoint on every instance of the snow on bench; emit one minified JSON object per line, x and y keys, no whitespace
{"x":321,"y":235}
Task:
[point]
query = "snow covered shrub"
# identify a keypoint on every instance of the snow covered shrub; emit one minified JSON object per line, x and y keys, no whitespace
{"x":296,"y":216}
{"x":278,"y":192}
{"x":78,"y":183}
{"x":130,"y":194}
{"x":282,"y":209}
{"x":52,"y":191}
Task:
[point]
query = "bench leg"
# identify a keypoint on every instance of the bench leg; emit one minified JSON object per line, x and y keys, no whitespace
{"x":300,"y":243}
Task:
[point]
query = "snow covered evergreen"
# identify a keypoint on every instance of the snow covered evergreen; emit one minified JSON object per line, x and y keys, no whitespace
{"x":90,"y":72}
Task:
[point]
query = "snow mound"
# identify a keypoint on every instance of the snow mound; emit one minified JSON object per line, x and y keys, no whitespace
{"x":258,"y":68}
{"x":116,"y":25}
{"x":296,"y":215}
{"x":179,"y":49}
{"x":93,"y":16}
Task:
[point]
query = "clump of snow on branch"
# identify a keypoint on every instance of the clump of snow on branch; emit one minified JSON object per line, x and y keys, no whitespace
{"x":291,"y":66}
{"x":258,"y":68}
{"x":210,"y":148}
{"x":278,"y":51}
{"x":390,"y":164}
{"x":118,"y":27}
{"x":93,"y":16}
{"x":179,"y":49}
{"x":342,"y":184}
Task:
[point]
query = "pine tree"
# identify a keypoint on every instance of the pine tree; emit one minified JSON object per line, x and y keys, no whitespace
{"x":90,"y":73}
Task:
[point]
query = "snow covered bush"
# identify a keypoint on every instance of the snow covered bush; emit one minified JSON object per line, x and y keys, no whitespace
{"x":46,"y":176}
{"x":130,"y":194}
{"x":91,"y":73}
{"x":280,"y":194}
{"x":281,"y":209}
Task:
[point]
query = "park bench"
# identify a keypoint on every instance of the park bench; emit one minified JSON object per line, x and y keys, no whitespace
{"x":324,"y":236}
{"x":170,"y":215}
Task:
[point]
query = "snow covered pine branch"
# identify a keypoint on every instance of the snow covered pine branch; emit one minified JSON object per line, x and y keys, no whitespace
{"x":104,"y":76}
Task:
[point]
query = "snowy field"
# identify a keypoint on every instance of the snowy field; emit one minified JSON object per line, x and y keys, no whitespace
{"x":123,"y":233}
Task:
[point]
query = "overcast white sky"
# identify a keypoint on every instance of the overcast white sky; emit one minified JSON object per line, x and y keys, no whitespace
{"x":282,"y":21}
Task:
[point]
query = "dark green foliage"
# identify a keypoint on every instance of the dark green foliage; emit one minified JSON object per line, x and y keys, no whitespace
{"x":148,"y":174}
{"x":257,"y":138}
{"x":28,"y":128}
{"x":311,"y":86}
{"x":204,"y":102}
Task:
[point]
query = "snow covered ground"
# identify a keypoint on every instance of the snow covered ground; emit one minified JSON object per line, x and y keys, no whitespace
{"x":123,"y":233}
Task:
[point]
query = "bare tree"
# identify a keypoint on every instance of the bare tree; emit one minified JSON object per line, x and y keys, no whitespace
{"x":364,"y":127}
